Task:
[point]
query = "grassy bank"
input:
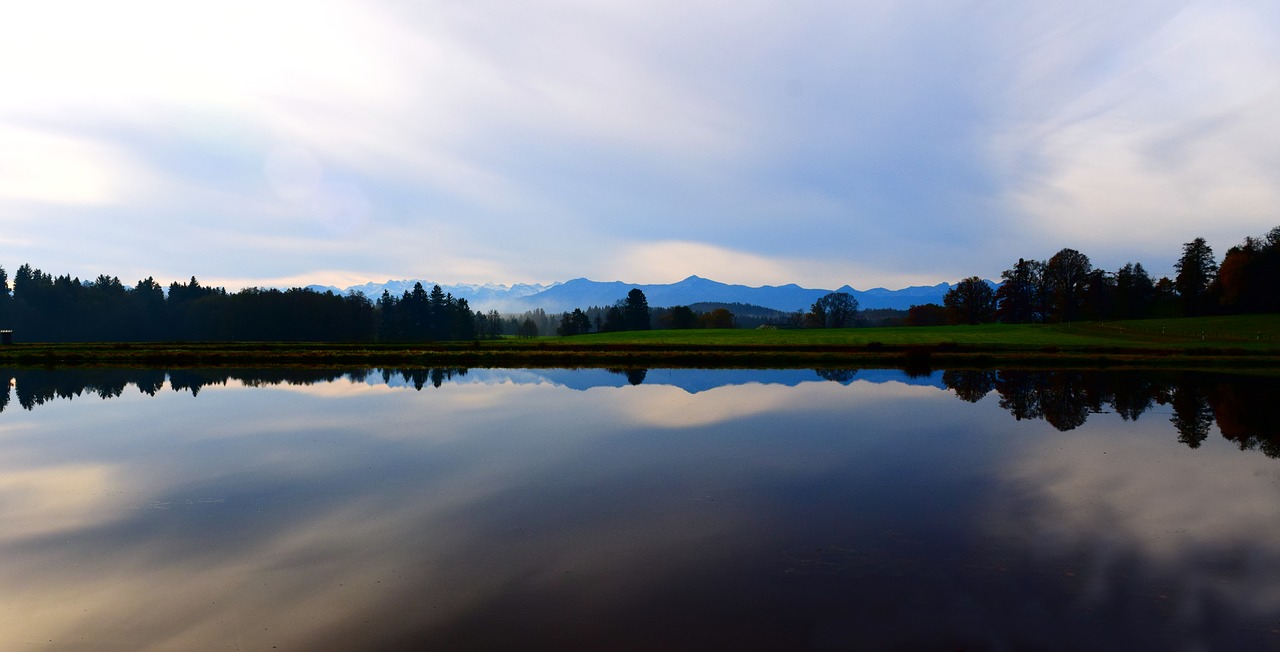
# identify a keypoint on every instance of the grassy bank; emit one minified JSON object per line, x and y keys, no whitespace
{"x":1241,"y":341}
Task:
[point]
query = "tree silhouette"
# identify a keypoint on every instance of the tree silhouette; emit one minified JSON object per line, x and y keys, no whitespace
{"x":1020,"y":292}
{"x":971,"y":301}
{"x":1196,"y":272}
{"x":6,"y":302}
{"x":635,"y":311}
{"x":718,"y":318}
{"x":929,"y":314}
{"x":1192,"y":415}
{"x":833,"y":310}
{"x":1134,"y":292}
{"x":574,"y":323}
{"x":970,"y":386}
{"x":682,"y":317}
{"x":1099,"y":295}
{"x":528,"y":329}
{"x":1066,"y":276}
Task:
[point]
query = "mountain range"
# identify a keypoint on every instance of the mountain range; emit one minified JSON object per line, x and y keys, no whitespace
{"x":584,"y":293}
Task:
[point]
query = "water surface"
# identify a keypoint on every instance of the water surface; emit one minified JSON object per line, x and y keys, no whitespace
{"x":658,"y":509}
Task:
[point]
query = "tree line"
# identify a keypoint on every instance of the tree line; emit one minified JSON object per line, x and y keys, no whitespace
{"x":833,"y":310}
{"x":1067,"y":287}
{"x":40,"y":307}
{"x":1064,"y":288}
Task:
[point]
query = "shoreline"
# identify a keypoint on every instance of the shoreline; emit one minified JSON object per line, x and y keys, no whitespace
{"x":533,"y":353}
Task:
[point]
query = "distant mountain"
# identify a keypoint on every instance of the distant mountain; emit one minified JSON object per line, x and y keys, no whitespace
{"x":581,"y":293}
{"x":584,"y":293}
{"x":490,"y":296}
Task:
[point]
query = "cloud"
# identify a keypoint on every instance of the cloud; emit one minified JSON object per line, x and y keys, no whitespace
{"x":44,"y":167}
{"x":667,"y":262}
{"x":869,"y":143}
{"x":671,"y":261}
{"x":1175,"y":139}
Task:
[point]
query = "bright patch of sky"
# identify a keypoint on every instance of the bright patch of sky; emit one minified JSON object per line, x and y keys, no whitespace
{"x":824,"y":143}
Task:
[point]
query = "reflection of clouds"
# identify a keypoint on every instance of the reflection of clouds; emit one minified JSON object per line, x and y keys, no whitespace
{"x":358,"y":546}
{"x":337,"y":389}
{"x":293,"y":584}
{"x":386,"y":517}
{"x":671,"y":407}
{"x":46,"y":500}
{"x":344,"y":578}
{"x":1208,"y":517}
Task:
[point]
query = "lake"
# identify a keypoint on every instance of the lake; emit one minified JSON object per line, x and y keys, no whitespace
{"x":638,"y":509}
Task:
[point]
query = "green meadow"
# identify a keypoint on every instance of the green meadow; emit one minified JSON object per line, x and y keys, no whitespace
{"x":1250,"y":341}
{"x":1250,"y":332}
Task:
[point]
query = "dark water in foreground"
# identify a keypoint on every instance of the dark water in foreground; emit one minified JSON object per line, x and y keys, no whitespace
{"x":673,"y":509}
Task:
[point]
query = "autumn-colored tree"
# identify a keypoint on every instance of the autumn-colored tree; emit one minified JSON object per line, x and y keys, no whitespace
{"x":718,"y":318}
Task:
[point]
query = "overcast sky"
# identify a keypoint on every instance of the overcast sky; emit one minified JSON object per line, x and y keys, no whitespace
{"x":249,"y":142}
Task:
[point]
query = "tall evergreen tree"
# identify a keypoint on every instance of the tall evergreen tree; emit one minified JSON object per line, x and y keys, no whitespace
{"x":1196,"y":273}
{"x":635,"y":311}
{"x":1099,"y":295}
{"x":1134,"y":292}
{"x":574,"y":323}
{"x":6,"y":302}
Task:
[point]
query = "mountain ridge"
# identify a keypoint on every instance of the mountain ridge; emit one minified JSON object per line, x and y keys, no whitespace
{"x":583,"y":293}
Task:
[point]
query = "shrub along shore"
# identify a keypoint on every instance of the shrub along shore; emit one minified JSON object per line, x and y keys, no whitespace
{"x":1251,"y":341}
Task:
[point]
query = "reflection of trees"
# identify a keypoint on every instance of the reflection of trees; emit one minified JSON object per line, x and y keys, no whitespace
{"x":842,"y":376}
{"x":1242,"y":407}
{"x":1019,"y":395}
{"x":635,"y":376}
{"x":1065,"y":400}
{"x":970,"y":385}
{"x":34,"y":387}
{"x":1134,"y":395}
{"x":917,"y":363}
{"x":1062,"y":398}
{"x":418,"y":377}
{"x":1246,"y":412}
{"x":39,"y":386}
{"x":1192,"y":415}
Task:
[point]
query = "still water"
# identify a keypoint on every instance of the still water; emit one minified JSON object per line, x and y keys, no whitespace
{"x":659,"y":509}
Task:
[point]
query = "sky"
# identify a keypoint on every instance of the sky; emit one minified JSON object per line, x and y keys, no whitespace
{"x":868,"y":143}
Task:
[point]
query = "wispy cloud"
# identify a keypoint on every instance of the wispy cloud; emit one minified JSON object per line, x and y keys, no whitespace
{"x":1175,"y":137}
{"x":885,"y":140}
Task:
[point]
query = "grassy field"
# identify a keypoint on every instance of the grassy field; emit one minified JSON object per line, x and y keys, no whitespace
{"x":1242,"y":341}
{"x":1251,"y":332}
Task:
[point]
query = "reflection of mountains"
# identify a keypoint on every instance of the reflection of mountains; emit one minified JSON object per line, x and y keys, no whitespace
{"x":1240,"y":406}
{"x":34,"y":387}
{"x":701,"y":380}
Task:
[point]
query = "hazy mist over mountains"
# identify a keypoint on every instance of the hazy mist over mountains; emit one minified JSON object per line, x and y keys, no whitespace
{"x":583,"y":293}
